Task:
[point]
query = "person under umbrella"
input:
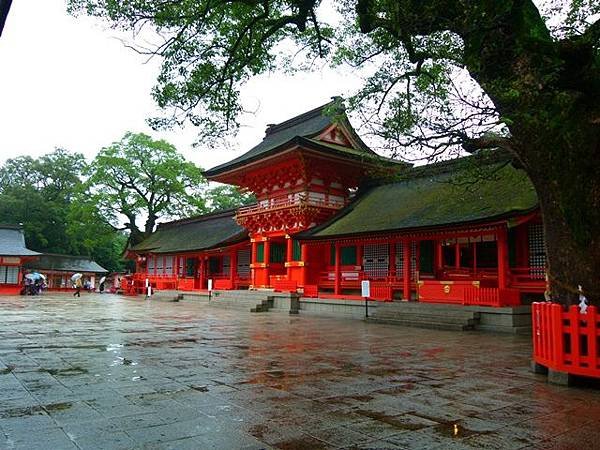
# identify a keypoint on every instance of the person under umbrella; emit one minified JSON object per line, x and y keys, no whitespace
{"x":76,"y":279}
{"x":101,"y":284}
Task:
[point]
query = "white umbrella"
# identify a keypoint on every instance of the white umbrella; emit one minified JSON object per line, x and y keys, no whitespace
{"x":33,"y":276}
{"x":102,"y":280}
{"x":76,"y":276}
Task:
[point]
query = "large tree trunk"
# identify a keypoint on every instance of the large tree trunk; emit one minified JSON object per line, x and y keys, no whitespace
{"x":570,"y":212}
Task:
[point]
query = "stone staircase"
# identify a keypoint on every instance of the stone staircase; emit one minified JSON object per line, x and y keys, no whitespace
{"x":253,"y":301}
{"x":426,"y":315}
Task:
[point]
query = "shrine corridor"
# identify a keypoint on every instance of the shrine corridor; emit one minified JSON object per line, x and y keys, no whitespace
{"x":110,"y":372}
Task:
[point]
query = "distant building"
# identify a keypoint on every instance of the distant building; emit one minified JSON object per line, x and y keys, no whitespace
{"x":58,"y":269}
{"x":13,"y":255}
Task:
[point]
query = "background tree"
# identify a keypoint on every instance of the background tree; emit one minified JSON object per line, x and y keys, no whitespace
{"x":227,"y":197}
{"x":439,"y":74}
{"x":137,"y":180}
{"x":41,"y":194}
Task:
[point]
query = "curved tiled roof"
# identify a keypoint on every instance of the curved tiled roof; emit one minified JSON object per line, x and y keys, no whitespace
{"x":65,"y":263}
{"x":12,"y":242}
{"x":306,"y":125}
{"x":196,"y":233}
{"x":428,"y":198}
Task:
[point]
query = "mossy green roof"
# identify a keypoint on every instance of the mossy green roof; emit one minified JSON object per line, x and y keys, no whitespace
{"x":306,"y":125}
{"x":430,"y":198}
{"x":65,"y":263}
{"x":198,"y":233}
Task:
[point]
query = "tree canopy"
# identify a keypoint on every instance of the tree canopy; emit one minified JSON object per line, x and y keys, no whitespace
{"x":440,"y":76}
{"x":41,"y":194}
{"x":138,"y":180}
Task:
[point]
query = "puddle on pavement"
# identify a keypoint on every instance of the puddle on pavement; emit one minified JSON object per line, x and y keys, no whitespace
{"x":361,"y":398}
{"x":21,"y":412}
{"x":113,"y":347}
{"x":66,"y":372}
{"x":164,"y":343}
{"x":302,"y":444}
{"x":390,"y":420}
{"x":8,"y":369}
{"x":453,"y":430}
{"x":57,"y":407}
{"x":120,"y":361}
{"x":200,"y":388}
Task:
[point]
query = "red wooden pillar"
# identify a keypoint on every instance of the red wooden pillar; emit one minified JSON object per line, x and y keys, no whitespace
{"x":267,"y":261}
{"x":392,"y":261}
{"x":303,"y":257}
{"x":201,"y":270}
{"x":475,"y":258}
{"x":457,"y":254}
{"x":406,"y":270}
{"x":289,"y":257}
{"x":338,"y":270}
{"x":502,"y":242}
{"x":252,"y":262}
{"x":439,"y":256}
{"x":233,"y":267}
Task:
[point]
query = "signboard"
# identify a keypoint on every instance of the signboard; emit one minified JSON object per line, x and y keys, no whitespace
{"x":210,"y":284}
{"x":365,"y":288}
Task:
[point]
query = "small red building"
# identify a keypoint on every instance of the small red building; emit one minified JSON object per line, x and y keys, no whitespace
{"x":13,"y":255}
{"x":330,"y":213}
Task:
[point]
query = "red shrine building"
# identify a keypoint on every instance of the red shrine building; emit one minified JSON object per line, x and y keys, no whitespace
{"x":331,"y":213}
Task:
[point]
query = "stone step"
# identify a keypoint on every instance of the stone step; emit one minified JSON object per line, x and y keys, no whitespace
{"x":428,"y":318}
{"x":433,"y":325}
{"x":252,"y":304}
{"x":425,"y":315}
{"x":448,"y":312}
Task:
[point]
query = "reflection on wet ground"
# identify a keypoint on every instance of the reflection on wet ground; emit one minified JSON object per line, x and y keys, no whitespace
{"x":108,"y":372}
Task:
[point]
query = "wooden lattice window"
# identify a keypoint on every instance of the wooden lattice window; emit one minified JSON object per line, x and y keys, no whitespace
{"x":537,"y":251}
{"x":376,"y":260}
{"x":9,"y":274}
{"x":243,"y":262}
{"x":226,"y":266}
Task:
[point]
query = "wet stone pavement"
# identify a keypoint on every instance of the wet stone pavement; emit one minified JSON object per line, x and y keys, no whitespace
{"x":106,"y":372}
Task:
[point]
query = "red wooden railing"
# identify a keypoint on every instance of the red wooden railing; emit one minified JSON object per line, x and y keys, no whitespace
{"x":286,"y":202}
{"x":491,"y":297}
{"x":566,"y":341}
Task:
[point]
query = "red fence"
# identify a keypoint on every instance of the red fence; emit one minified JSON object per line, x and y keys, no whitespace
{"x":566,"y":341}
{"x":491,"y":297}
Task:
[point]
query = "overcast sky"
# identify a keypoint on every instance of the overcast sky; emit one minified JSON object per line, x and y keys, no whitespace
{"x":68,"y":82}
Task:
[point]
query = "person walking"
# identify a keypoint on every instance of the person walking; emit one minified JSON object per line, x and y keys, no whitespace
{"x":78,"y":285}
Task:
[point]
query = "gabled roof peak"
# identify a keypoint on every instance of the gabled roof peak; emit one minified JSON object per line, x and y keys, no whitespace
{"x":316,"y":112}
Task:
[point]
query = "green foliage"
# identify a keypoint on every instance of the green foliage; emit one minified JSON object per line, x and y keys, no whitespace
{"x":40,"y":193}
{"x":227,"y":197}
{"x":139,"y":179}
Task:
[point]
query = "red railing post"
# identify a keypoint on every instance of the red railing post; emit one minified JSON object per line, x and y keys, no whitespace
{"x":592,"y":321}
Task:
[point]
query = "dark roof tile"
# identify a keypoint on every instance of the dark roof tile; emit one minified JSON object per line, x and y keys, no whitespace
{"x":197,"y":233}
{"x":12,"y":242}
{"x":433,"y":197}
{"x":65,"y":263}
